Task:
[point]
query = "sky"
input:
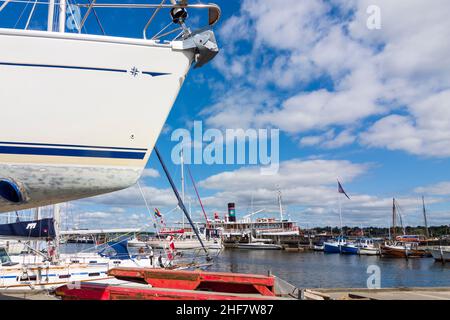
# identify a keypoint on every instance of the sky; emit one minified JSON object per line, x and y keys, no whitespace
{"x":367,"y":106}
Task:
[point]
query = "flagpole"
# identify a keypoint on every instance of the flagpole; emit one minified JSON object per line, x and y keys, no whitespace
{"x":340,"y":212}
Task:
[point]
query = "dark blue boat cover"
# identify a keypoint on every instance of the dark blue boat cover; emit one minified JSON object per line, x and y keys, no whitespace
{"x":120,"y":247}
{"x":43,"y":229}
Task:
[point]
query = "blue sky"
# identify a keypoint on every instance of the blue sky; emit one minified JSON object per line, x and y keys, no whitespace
{"x":370,"y":107}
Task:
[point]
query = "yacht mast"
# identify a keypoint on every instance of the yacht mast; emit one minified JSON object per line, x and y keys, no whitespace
{"x":62,"y":16}
{"x":37,"y":217}
{"x":394,"y":219}
{"x":281,"y":209}
{"x":57,"y":223}
{"x":427,"y":233}
{"x":182,"y":177}
{"x":51,"y":14}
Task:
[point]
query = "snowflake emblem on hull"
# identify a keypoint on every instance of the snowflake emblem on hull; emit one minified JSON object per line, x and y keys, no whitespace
{"x":134,"y":72}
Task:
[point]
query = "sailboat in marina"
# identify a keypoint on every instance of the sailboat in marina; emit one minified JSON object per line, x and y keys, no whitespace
{"x":48,"y":268}
{"x":102,"y":100}
{"x":37,"y":270}
{"x":403,"y":246}
{"x":335,"y":246}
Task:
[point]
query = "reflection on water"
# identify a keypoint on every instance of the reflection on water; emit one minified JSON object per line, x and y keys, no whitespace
{"x":319,"y":270}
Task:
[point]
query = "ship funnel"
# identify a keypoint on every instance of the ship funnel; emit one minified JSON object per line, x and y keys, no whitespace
{"x":11,"y":191}
{"x":231,"y":212}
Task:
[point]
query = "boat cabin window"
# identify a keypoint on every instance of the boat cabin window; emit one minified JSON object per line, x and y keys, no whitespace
{"x":26,"y":277}
{"x":4,"y":257}
{"x":94,"y":274}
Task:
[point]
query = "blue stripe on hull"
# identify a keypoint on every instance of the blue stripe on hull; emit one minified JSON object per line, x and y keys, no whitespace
{"x":153,"y":74}
{"x":71,"y":152}
{"x":69,"y":146}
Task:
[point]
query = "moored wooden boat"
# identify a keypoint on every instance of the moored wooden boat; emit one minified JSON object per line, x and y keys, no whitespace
{"x":402,"y":250}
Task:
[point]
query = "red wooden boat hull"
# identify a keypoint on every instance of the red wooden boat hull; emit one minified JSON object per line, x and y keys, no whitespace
{"x":174,"y":285}
{"x":110,"y":292}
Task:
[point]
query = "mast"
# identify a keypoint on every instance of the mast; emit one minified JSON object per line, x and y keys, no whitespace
{"x":427,"y":233}
{"x":181,"y":203}
{"x":394,"y":219}
{"x":51,"y":14}
{"x":37,"y":216}
{"x":340,"y":213}
{"x":281,"y":209}
{"x":62,"y":16}
{"x":198,"y":197}
{"x":57,"y":223}
{"x":182,"y":177}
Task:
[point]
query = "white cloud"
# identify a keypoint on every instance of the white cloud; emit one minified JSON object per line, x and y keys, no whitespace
{"x":399,"y":75}
{"x":439,"y":189}
{"x":329,"y":140}
{"x":132,"y":197}
{"x":310,"y":195}
{"x":291,"y":173}
{"x":426,"y":131}
{"x":95,"y":215}
{"x":150,"y":173}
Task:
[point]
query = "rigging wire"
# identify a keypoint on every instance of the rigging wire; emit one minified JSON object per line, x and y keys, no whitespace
{"x":31,"y":15}
{"x":20,"y":17}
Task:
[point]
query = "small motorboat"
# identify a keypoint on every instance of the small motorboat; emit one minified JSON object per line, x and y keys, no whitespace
{"x":334,"y":246}
{"x":318,"y":247}
{"x":367,"y":247}
{"x":349,"y":248}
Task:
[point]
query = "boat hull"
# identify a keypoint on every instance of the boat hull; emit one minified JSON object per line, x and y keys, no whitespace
{"x":186,"y":244}
{"x":254,"y":246}
{"x":81,"y":115}
{"x":392,"y":252}
{"x":441,"y":255}
{"x":368,"y":251}
{"x":347,"y":249}
{"x":331,"y":248}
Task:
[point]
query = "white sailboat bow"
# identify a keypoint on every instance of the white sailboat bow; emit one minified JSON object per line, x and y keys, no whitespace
{"x":81,"y":113}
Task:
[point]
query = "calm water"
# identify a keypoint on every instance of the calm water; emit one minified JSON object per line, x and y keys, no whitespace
{"x":319,"y":270}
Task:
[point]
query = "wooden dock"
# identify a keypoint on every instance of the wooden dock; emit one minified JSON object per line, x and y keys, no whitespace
{"x":308,"y":294}
{"x":38,"y":295}
{"x":378,"y":294}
